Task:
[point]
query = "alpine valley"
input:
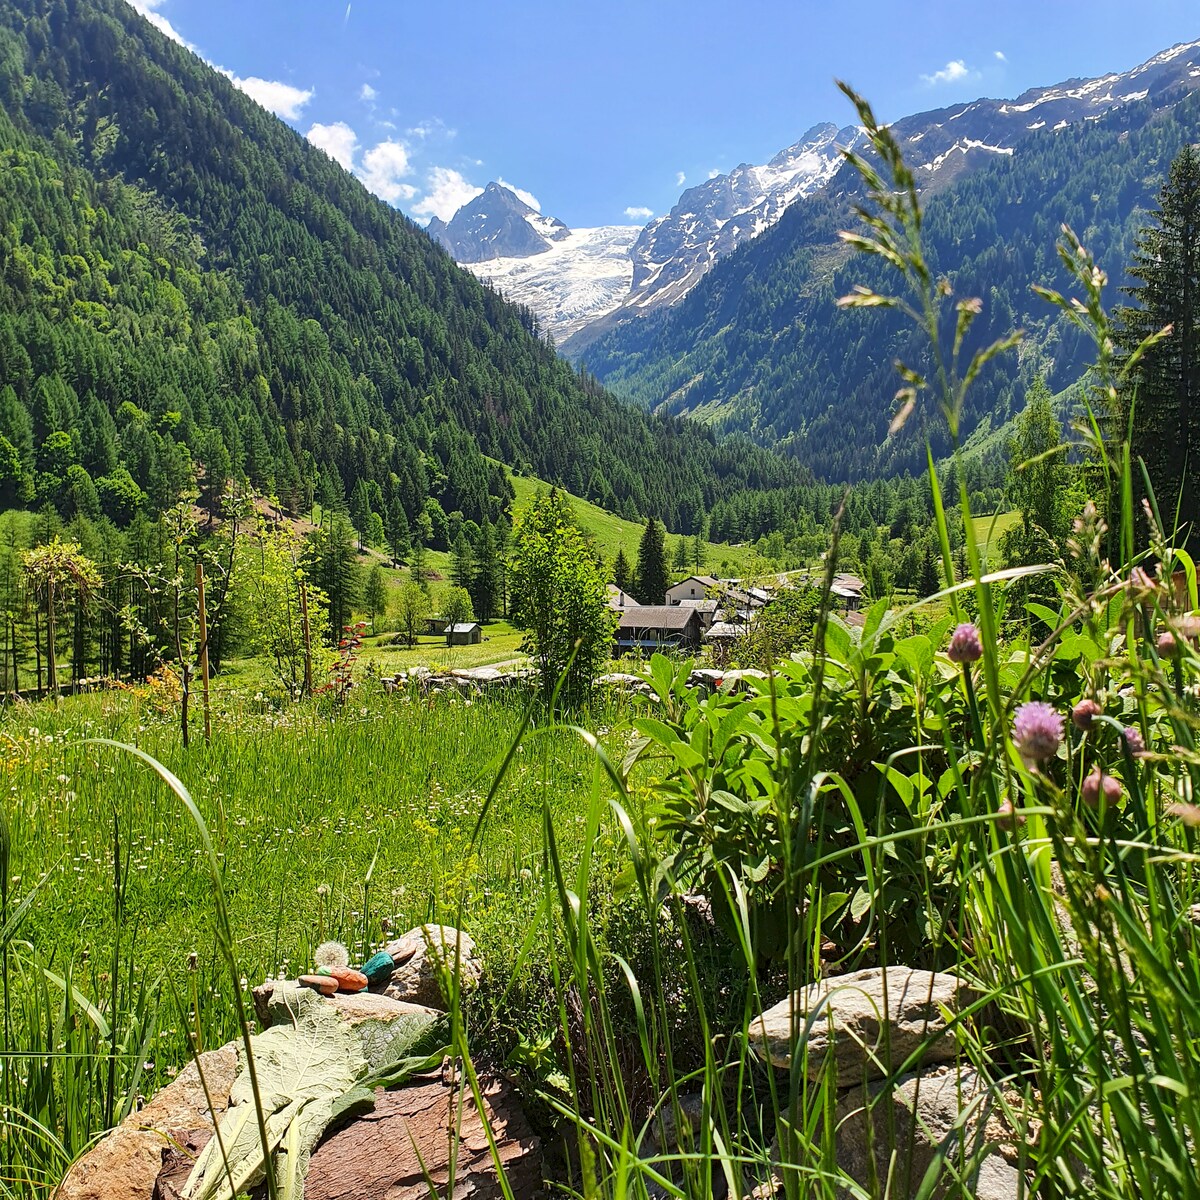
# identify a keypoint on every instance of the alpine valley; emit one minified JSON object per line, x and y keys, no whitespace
{"x":725,"y":309}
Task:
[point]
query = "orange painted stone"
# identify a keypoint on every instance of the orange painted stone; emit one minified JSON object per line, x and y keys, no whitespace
{"x":325,"y":984}
{"x":348,"y":979}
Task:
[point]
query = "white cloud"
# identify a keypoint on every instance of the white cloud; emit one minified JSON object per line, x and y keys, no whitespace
{"x":520,"y":193}
{"x":149,"y":10}
{"x":338,"y":140}
{"x":383,"y":168}
{"x":1001,"y":56}
{"x":680,"y":179}
{"x":447,"y":192}
{"x":282,"y":99}
{"x":431,"y":128}
{"x":952,"y":72}
{"x":367,"y":93}
{"x":714,"y":172}
{"x":639,"y":213}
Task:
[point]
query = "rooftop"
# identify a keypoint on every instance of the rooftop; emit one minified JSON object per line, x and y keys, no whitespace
{"x":657,"y":616}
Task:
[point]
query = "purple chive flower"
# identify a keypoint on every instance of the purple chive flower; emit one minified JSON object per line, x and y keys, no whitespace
{"x":1134,"y":741}
{"x":1098,"y":784}
{"x":1037,"y":730}
{"x":965,"y":646}
{"x":1167,"y":646}
{"x":1009,"y":817}
{"x":1084,"y":713}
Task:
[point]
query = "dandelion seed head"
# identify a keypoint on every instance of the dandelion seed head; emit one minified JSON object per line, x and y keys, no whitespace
{"x":331,"y":954}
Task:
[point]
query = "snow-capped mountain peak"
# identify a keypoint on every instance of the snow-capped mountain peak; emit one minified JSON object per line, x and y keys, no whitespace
{"x":496,"y":224}
{"x":583,"y":281}
{"x":714,"y":217}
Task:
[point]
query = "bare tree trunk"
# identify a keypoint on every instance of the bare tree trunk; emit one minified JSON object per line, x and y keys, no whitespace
{"x":51,"y":664}
{"x":203,"y":634}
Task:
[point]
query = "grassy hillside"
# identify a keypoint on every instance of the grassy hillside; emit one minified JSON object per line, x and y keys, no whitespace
{"x":612,"y":533}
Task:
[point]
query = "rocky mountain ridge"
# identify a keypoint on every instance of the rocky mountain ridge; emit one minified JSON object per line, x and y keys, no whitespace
{"x":584,"y":283}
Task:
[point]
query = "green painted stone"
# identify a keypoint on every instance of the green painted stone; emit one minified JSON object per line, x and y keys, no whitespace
{"x":378,"y":969}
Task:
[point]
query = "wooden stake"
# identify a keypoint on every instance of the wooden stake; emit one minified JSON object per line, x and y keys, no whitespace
{"x":202,"y":615}
{"x":307,"y":638}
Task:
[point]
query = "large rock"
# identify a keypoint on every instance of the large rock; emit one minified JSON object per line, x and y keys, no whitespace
{"x":417,"y":955}
{"x":124,"y":1165}
{"x":948,"y":1109}
{"x":849,"y":1015}
{"x":412,"y":1131}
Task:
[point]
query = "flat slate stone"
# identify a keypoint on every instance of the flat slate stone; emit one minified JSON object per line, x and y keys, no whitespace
{"x":849,"y":1014}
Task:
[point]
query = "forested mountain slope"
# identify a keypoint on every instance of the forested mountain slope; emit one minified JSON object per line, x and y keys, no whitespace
{"x":759,"y":345}
{"x":184,"y":280}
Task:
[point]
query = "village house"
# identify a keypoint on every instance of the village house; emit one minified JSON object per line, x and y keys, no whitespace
{"x":706,"y":608}
{"x":650,"y":627}
{"x":619,"y":600}
{"x":694,"y":587}
{"x":465,"y":633}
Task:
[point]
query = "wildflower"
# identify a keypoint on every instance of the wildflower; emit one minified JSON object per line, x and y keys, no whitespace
{"x":1166,"y":645}
{"x":1098,"y":784}
{"x":1084,"y":713}
{"x":1189,"y":626}
{"x":965,"y":645}
{"x":1134,"y":742}
{"x":1189,"y":814}
{"x":331,"y":954}
{"x":1009,"y":817}
{"x":322,"y":890}
{"x":1037,"y":731}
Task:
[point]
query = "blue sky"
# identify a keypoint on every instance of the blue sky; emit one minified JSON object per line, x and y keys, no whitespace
{"x":602,"y":112}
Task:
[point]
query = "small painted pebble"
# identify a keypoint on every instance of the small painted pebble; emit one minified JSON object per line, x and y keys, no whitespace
{"x":349,"y":980}
{"x":378,"y":969}
{"x":325,"y":984}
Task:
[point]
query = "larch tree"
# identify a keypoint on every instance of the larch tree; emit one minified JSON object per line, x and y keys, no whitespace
{"x":58,"y":572}
{"x":1166,"y":381}
{"x":412,"y":609}
{"x":375,"y":596}
{"x":558,"y":596}
{"x":456,"y":608}
{"x":334,"y":568}
{"x":485,"y":583}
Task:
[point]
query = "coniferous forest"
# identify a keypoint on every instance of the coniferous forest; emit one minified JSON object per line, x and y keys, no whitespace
{"x":190,"y":287}
{"x":426,"y":772}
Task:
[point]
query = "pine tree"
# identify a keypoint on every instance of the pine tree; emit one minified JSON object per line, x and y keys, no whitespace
{"x":1166,"y":395}
{"x":699,"y":550}
{"x":622,"y":575}
{"x":682,"y":557}
{"x":650,"y":579}
{"x":929,"y":579}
